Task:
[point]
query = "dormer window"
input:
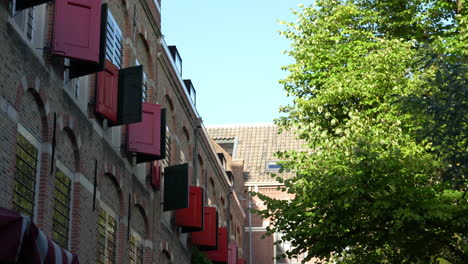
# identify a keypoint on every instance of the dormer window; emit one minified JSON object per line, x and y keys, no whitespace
{"x":272,"y":166}
{"x":191,"y":90}
{"x":176,"y":58}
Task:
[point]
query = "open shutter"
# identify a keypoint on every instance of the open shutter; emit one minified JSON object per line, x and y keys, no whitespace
{"x":145,"y":158}
{"x":77,"y":29}
{"x":23,"y":4}
{"x":107,"y":92}
{"x":145,"y":137}
{"x":207,"y":239}
{"x":191,"y":218}
{"x":130,"y":95}
{"x":156,"y":175}
{"x":80,"y":68}
{"x":176,"y":187}
{"x":220,"y":254}
{"x":232,"y":253}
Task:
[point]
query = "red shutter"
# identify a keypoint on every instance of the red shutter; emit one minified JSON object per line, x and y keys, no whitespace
{"x":156,"y":175}
{"x":232,"y":253}
{"x":241,"y":261}
{"x":145,"y":136}
{"x":207,"y":239}
{"x":191,"y":218}
{"x":220,"y":254}
{"x":77,"y":29}
{"x":107,"y":91}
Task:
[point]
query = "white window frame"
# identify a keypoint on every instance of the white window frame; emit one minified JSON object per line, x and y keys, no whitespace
{"x":144,"y":95}
{"x":114,"y":36}
{"x":38,"y":27}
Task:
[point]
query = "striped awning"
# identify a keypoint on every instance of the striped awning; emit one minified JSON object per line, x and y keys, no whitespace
{"x":23,"y":242}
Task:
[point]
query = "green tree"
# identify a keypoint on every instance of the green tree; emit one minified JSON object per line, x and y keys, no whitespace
{"x":380,"y":97}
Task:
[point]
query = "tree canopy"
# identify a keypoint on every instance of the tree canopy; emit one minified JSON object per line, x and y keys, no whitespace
{"x":380,"y":97}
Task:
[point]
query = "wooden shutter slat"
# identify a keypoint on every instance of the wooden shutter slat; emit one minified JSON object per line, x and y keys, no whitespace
{"x":77,"y":29}
{"x":176,"y":188}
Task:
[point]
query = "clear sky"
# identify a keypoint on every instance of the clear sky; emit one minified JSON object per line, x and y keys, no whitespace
{"x":232,"y":52}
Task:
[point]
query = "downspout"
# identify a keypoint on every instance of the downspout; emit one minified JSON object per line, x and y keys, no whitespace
{"x":195,"y":153}
{"x":250,"y":228}
{"x":228,"y":214}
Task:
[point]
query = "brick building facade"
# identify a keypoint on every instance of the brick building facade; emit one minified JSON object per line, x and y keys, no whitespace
{"x":69,"y":167}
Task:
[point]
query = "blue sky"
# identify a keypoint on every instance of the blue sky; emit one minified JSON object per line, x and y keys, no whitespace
{"x":232,"y":52}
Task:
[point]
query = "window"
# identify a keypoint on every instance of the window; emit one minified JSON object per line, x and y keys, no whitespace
{"x":182,"y":157}
{"x":61,"y":218}
{"x":167,"y":161}
{"x":114,"y":41}
{"x":136,"y":249}
{"x":25,"y":19}
{"x":106,"y":237}
{"x":30,"y":24}
{"x":176,"y":59}
{"x":272,"y":166}
{"x":145,"y":84}
{"x":25,"y":178}
{"x":283,"y":247}
{"x":228,"y":144}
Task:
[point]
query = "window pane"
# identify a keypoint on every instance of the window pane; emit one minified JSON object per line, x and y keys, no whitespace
{"x":25,"y":176}
{"x":61,"y":218}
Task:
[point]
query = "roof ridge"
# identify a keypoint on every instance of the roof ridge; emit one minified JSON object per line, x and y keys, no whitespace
{"x":241,"y":125}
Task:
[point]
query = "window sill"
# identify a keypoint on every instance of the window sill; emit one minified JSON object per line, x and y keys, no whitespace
{"x":26,"y":42}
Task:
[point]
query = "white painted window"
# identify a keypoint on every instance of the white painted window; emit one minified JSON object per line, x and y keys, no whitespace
{"x":31,"y":24}
{"x":114,"y":41}
{"x":145,"y":84}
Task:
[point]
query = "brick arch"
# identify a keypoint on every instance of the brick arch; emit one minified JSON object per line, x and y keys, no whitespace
{"x":186,"y":133}
{"x":141,"y":207}
{"x":33,"y":86}
{"x":169,"y":102}
{"x":116,"y":184}
{"x":66,"y":126}
{"x":142,"y":34}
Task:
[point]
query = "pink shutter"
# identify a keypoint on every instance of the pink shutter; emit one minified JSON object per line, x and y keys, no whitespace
{"x":107,"y":91}
{"x":77,"y":29}
{"x":232,"y":253}
{"x":145,"y":136}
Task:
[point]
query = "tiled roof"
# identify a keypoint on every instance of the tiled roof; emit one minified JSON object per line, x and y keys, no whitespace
{"x":256,"y":144}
